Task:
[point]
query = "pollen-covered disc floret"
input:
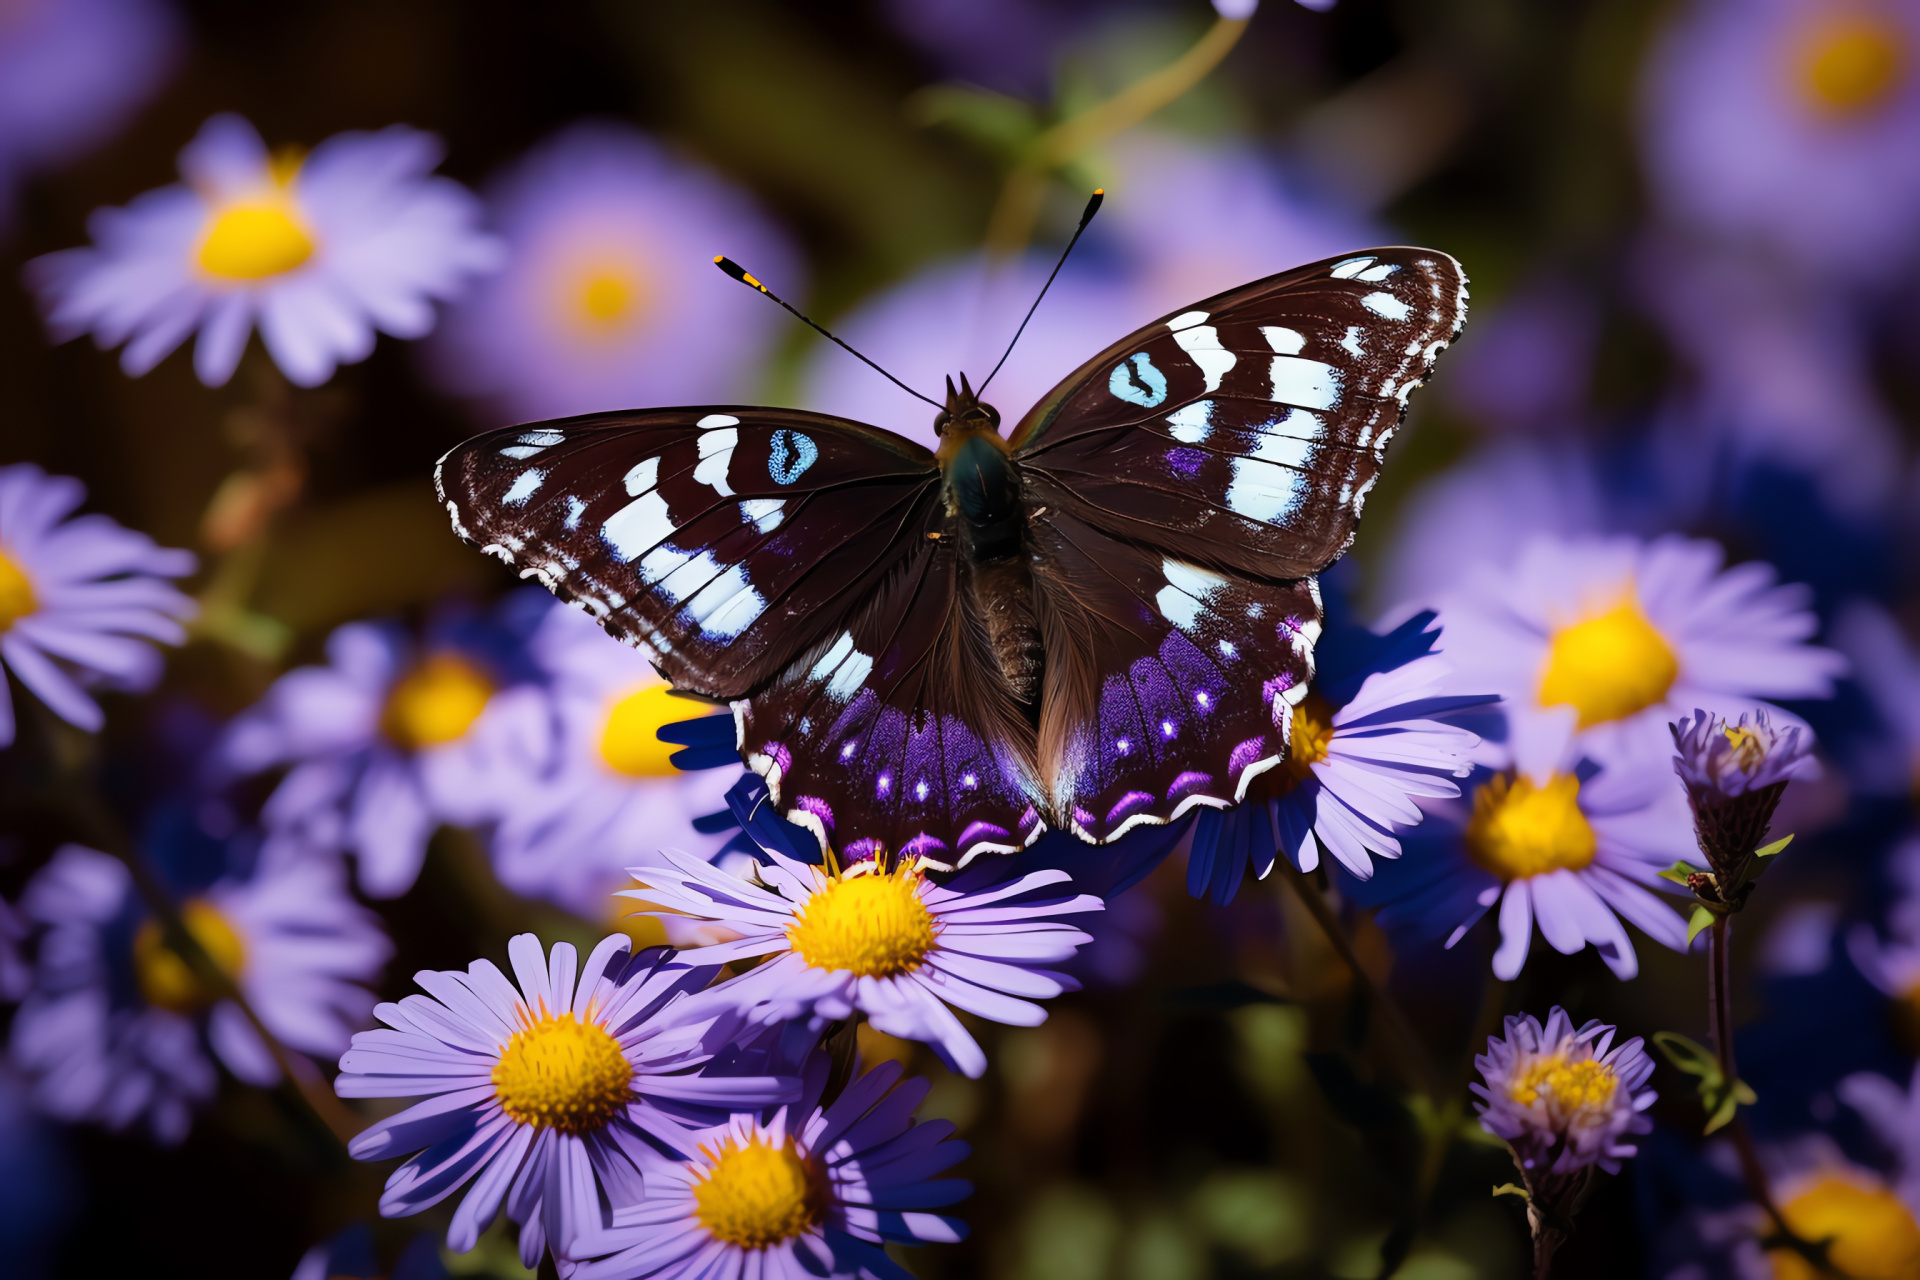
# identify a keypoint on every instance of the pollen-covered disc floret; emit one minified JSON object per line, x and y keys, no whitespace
{"x":801,"y":1192}
{"x":547,"y":1091}
{"x":873,"y":925}
{"x":562,"y":1073}
{"x":1563,"y":1099}
{"x":878,"y":939}
{"x":1725,"y":759}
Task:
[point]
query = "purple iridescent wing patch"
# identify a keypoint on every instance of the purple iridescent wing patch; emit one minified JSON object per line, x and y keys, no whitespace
{"x":1246,"y":430}
{"x":898,"y":728}
{"x":1189,"y":679}
{"x":722,"y":541}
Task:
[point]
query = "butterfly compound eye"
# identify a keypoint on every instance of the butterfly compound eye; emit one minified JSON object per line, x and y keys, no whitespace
{"x":940,"y":421}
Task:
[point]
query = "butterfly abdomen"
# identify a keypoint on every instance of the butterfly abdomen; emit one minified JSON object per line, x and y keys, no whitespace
{"x":983,"y":490}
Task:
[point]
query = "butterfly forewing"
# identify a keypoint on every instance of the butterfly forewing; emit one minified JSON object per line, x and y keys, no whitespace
{"x":1170,"y":685}
{"x":1245,"y":431}
{"x":722,"y":541}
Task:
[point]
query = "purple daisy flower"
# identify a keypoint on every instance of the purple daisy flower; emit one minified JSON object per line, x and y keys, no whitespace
{"x":1564,"y":1099}
{"x":318,"y":250}
{"x":72,"y":72}
{"x":1610,"y":639}
{"x":544,"y":1096}
{"x":390,"y":739}
{"x":1364,"y":744}
{"x":1893,"y":1115}
{"x":1791,"y":123}
{"x":610,"y":298}
{"x":1552,"y":840}
{"x":800,"y":1192}
{"x":886,"y":942}
{"x":79,"y":598}
{"x":612,"y":794}
{"x":111,"y":1031}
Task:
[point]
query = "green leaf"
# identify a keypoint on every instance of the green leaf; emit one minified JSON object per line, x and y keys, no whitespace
{"x":1686,"y":1055}
{"x":1702,"y":917}
{"x":1680,"y":872}
{"x":1769,"y":851}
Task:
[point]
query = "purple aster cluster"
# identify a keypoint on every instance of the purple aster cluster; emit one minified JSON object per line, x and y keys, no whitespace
{"x":318,"y":839}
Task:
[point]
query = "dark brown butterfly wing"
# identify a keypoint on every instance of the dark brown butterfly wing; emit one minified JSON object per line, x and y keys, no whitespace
{"x":722,"y":541}
{"x":1169,"y":685}
{"x":898,"y":729}
{"x":1245,"y":431}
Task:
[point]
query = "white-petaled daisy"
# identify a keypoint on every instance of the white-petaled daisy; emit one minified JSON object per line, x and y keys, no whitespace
{"x":1790,"y":123}
{"x":1563,"y":1099}
{"x":1364,"y":744}
{"x":80,"y":599}
{"x":546,"y":1096}
{"x":612,"y":796}
{"x":392,"y":738}
{"x":883,"y":941}
{"x":799,"y":1193}
{"x":71,"y":73}
{"x":111,"y":1028}
{"x":319,"y":250}
{"x":610,"y":297}
{"x":1613,"y":638}
{"x":1550,"y":840}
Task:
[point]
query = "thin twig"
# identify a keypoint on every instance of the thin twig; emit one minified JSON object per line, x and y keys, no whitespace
{"x":1019,"y":203}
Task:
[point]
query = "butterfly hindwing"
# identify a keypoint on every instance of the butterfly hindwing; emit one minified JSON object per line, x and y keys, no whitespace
{"x":1246,"y":430}
{"x":1169,"y":685}
{"x":722,"y":541}
{"x":898,"y":729}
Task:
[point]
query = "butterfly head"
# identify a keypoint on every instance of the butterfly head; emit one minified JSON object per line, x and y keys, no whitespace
{"x":964,"y":414}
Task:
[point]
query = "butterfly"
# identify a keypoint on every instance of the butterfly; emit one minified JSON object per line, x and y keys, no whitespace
{"x":1098,"y":621}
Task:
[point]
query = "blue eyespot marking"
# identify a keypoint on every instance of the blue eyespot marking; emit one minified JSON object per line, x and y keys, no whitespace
{"x":1136,"y":381}
{"x":791,"y":453}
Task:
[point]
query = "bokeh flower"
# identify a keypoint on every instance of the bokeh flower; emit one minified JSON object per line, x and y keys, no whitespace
{"x":392,"y":738}
{"x":882,"y":940}
{"x":1872,"y":1228}
{"x":610,"y":299}
{"x":79,"y":598}
{"x":1790,"y":124}
{"x":801,"y":1191}
{"x":111,"y":1031}
{"x":1365,"y":742}
{"x":611,"y":796}
{"x":1553,"y":841}
{"x":546,"y":1096}
{"x":319,"y":250}
{"x":1613,"y":638}
{"x":71,"y":73}
{"x":1884,"y":665}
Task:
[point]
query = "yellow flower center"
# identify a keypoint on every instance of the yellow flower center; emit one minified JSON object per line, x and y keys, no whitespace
{"x":1852,"y":63}
{"x":17,"y":599}
{"x":259,"y":236}
{"x":1874,"y":1234}
{"x":603,"y":295}
{"x":1608,"y":667}
{"x":1312,"y":736}
{"x":630,"y":744}
{"x":166,"y":979}
{"x":758,"y":1195}
{"x":435,"y":703}
{"x":1519,"y":830}
{"x":563,"y":1074}
{"x":1748,"y":750}
{"x":1569,"y":1084}
{"x":874,"y":925}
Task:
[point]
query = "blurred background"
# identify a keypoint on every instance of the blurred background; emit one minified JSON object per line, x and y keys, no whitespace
{"x":1691,"y":230}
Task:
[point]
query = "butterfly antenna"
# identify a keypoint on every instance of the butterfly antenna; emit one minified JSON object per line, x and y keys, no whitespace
{"x":1093,"y":207}
{"x":741,"y":274}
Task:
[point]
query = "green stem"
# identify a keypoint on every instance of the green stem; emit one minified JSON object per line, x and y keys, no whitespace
{"x":1019,"y":204}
